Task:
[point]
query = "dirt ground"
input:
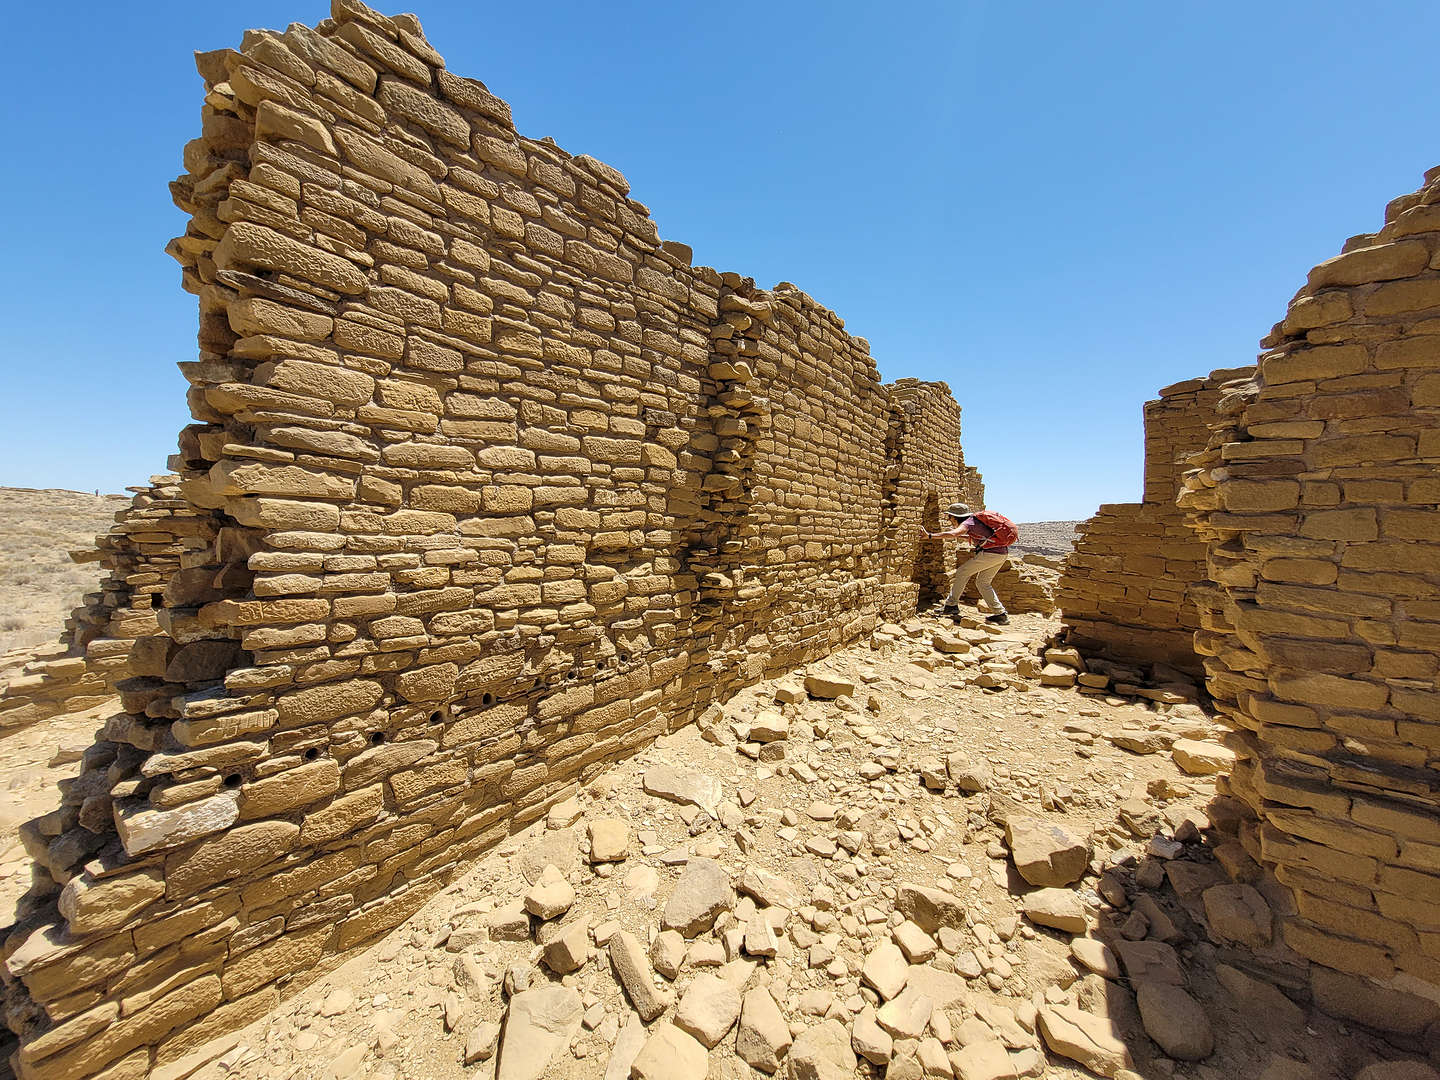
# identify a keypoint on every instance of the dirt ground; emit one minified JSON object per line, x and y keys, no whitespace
{"x":39,"y":583}
{"x":845,"y":818}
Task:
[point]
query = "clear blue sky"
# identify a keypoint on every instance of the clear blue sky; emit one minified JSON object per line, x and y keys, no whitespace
{"x":1056,"y":208}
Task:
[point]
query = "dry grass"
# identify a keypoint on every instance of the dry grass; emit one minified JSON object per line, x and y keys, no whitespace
{"x":38,"y":583}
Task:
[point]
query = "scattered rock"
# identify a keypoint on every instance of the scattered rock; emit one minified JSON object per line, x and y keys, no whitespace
{"x":551,"y":896}
{"x":667,"y":953}
{"x":764,"y":1036}
{"x":1238,"y":913}
{"x":540,"y":1025}
{"x":885,"y":970}
{"x":708,"y":1009}
{"x":869,"y":1039}
{"x":686,"y":786}
{"x":609,"y":840}
{"x":1093,"y":1041}
{"x":669,"y":1054}
{"x":1096,"y":956}
{"x":971,"y":777}
{"x":1262,"y":1006}
{"x":1175,"y":1021}
{"x":633,"y":971}
{"x":1202,"y":758}
{"x":1045,"y":853}
{"x":822,"y":1052}
{"x":481,"y":1042}
{"x":701,"y":894}
{"x":929,"y":909}
{"x":1059,"y":909}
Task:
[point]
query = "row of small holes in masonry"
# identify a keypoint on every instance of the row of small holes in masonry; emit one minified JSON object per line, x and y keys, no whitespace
{"x":234,"y":780}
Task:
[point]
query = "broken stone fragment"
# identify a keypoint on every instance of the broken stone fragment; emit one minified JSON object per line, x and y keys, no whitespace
{"x":885,"y":970}
{"x":1175,"y":1021}
{"x":1238,"y":913}
{"x":669,"y":1054}
{"x":969,"y":776}
{"x":551,"y":896}
{"x":1046,"y":854}
{"x":929,"y":909}
{"x":869,"y":1039}
{"x":906,"y":1015}
{"x":708,"y":1009}
{"x":822,"y":1052}
{"x":667,"y":953}
{"x":769,"y":726}
{"x":540,"y":1026}
{"x":686,"y":786}
{"x":1202,"y":758}
{"x":700,"y":895}
{"x":633,"y":970}
{"x":1094,"y":1041}
{"x":1059,"y":909}
{"x":764,"y":1036}
{"x":828,"y":688}
{"x":609,"y":840}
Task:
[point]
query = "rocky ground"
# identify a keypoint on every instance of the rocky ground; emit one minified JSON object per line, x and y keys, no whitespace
{"x":1053,"y":538}
{"x":40,"y":584}
{"x":913,"y":859}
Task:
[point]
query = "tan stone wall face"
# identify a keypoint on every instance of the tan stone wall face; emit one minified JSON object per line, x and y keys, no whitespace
{"x":492,"y":487}
{"x":1125,"y":589}
{"x":141,"y":553}
{"x":1318,"y":498}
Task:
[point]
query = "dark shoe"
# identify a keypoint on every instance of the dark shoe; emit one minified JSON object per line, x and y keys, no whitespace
{"x":999,"y":620}
{"x":947,"y":609}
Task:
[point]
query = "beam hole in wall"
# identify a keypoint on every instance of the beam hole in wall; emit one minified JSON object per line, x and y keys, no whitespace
{"x":312,"y":753}
{"x":233,"y":781}
{"x":487,"y":699}
{"x":377,"y":738}
{"x":438,"y":716}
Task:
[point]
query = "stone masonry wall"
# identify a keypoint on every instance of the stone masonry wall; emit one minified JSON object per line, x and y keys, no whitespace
{"x":493,"y":487}
{"x":1318,"y":498}
{"x":1125,"y":589}
{"x":140,"y":553}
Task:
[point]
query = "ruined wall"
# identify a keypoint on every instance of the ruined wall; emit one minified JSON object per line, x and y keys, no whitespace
{"x":1318,"y":500}
{"x":1125,"y":589}
{"x":140,"y":554}
{"x":493,"y":487}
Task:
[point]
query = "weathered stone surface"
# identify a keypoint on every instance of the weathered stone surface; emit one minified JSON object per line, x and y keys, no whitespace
{"x":539,"y":1026}
{"x":669,"y":1054}
{"x":928,"y":908}
{"x":708,"y":1009}
{"x":1091,"y":1040}
{"x":1202,"y":758}
{"x":1059,"y":909}
{"x":822,"y":1052}
{"x":701,"y":894}
{"x":1240,"y":914}
{"x":686,"y":786}
{"x":90,"y":905}
{"x":633,"y":970}
{"x":1045,"y":853}
{"x":609,"y":840}
{"x":143,"y":829}
{"x":1175,"y":1021}
{"x":763,"y":1037}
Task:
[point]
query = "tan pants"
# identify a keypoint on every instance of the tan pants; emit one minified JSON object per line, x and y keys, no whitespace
{"x":982,"y":566}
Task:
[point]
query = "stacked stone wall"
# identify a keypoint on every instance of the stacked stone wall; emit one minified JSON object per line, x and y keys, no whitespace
{"x":1125,"y":590}
{"x":141,"y":552}
{"x":491,"y":487}
{"x":1319,"y":501}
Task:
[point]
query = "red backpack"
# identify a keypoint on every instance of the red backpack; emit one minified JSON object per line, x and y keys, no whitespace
{"x":1004,"y":532}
